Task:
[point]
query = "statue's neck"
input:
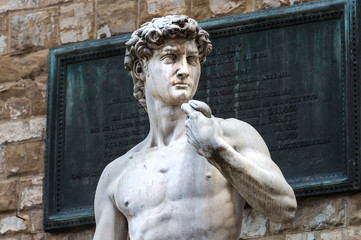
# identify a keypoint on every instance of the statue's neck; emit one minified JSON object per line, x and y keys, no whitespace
{"x":166,"y":122}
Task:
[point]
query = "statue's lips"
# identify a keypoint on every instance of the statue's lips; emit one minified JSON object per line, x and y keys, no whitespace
{"x":181,"y":85}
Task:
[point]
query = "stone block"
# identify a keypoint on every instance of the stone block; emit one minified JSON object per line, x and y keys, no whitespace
{"x":18,"y":108}
{"x":333,"y":235}
{"x":158,"y":8}
{"x":13,"y":90}
{"x":8,"y":5}
{"x":2,"y":160}
{"x":10,"y":69}
{"x":46,"y":3}
{"x":61,"y":236}
{"x":201,"y":10}
{"x":254,"y":224}
{"x":229,"y":7}
{"x":76,"y":22}
{"x":354,"y":209}
{"x":22,"y":99}
{"x":36,"y":221}
{"x":8,"y":195}
{"x":85,"y":235}
{"x":116,"y":17}
{"x":24,"y":158}
{"x":33,"y":31}
{"x":11,"y":224}
{"x":354,"y":233}
{"x":30,"y":193}
{"x":41,"y":236}
{"x":4,"y":33}
{"x":273,"y":237}
{"x":20,"y":131}
{"x":264,"y":4}
{"x":34,"y":64}
{"x":303,"y":236}
{"x":315,"y":214}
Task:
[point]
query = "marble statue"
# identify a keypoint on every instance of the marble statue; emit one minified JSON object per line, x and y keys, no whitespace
{"x":191,"y":176}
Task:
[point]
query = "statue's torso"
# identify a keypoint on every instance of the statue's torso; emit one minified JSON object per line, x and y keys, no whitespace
{"x":174,"y":193}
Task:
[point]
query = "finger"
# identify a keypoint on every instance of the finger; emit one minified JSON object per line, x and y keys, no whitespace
{"x":202,"y":107}
{"x":187,"y":109}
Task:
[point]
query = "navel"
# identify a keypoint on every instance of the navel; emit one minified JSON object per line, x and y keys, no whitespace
{"x":208,"y":175}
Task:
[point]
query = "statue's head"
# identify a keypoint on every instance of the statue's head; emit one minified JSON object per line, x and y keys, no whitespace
{"x":154,"y":35}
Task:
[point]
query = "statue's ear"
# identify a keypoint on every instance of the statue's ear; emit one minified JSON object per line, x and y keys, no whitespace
{"x":139,"y":69}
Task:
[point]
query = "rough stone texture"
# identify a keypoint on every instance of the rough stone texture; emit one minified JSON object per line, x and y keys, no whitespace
{"x":36,"y":221}
{"x":32,"y":31}
{"x":354,"y":204}
{"x":253,"y":224}
{"x":7,"y":5}
{"x":157,"y":8}
{"x":2,"y":160}
{"x":11,"y":224}
{"x":22,"y":99}
{"x":24,"y":158}
{"x":46,"y":3}
{"x":34,"y":64}
{"x":333,"y":235}
{"x":20,"y":131}
{"x":76,"y":22}
{"x":201,"y":10}
{"x":10,"y":69}
{"x":274,"y":237}
{"x":4,"y":33}
{"x":31,"y":192}
{"x":354,"y":233}
{"x":229,"y":7}
{"x":304,"y":236}
{"x":315,"y":214}
{"x":115,"y":17}
{"x":263,"y":4}
{"x":8,"y":195}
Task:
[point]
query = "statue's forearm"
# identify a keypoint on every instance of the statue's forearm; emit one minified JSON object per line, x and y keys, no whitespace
{"x":263,"y":187}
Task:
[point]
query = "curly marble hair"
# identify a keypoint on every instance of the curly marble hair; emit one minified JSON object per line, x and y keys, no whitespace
{"x":153,"y":35}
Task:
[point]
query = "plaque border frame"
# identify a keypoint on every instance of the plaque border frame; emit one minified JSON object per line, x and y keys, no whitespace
{"x":59,"y":57}
{"x":62,"y":55}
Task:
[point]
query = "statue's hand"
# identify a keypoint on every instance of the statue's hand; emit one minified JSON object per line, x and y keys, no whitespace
{"x":203,"y":130}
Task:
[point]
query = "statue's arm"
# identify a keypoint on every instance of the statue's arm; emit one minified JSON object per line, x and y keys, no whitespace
{"x":243,"y":158}
{"x":240,"y":154}
{"x":110,"y":222}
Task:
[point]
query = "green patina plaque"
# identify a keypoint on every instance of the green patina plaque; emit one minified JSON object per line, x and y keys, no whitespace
{"x":290,"y":72}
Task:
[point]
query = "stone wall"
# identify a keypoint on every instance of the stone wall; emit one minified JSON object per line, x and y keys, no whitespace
{"x":28,"y":28}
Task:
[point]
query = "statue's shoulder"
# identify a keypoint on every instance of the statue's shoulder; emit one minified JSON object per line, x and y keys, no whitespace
{"x":242,"y":135}
{"x":233,"y":127}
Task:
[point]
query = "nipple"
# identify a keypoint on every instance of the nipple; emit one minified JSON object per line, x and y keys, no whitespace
{"x":163,"y":170}
{"x":126,"y":202}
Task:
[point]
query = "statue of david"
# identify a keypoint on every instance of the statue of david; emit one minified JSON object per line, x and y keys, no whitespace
{"x":192,"y":175}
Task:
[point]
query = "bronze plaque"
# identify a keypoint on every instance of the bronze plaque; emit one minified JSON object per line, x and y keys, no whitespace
{"x":290,"y":72}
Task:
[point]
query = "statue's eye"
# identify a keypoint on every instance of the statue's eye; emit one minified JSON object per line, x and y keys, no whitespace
{"x":169,"y":58}
{"x":192,"y":59}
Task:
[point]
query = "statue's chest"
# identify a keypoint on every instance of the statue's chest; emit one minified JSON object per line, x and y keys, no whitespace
{"x":160,"y":176}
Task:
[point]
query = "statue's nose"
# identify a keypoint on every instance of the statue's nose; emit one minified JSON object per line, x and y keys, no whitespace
{"x":183,"y":70}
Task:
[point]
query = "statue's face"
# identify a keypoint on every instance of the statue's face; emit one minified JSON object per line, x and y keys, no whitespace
{"x":173,"y":72}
